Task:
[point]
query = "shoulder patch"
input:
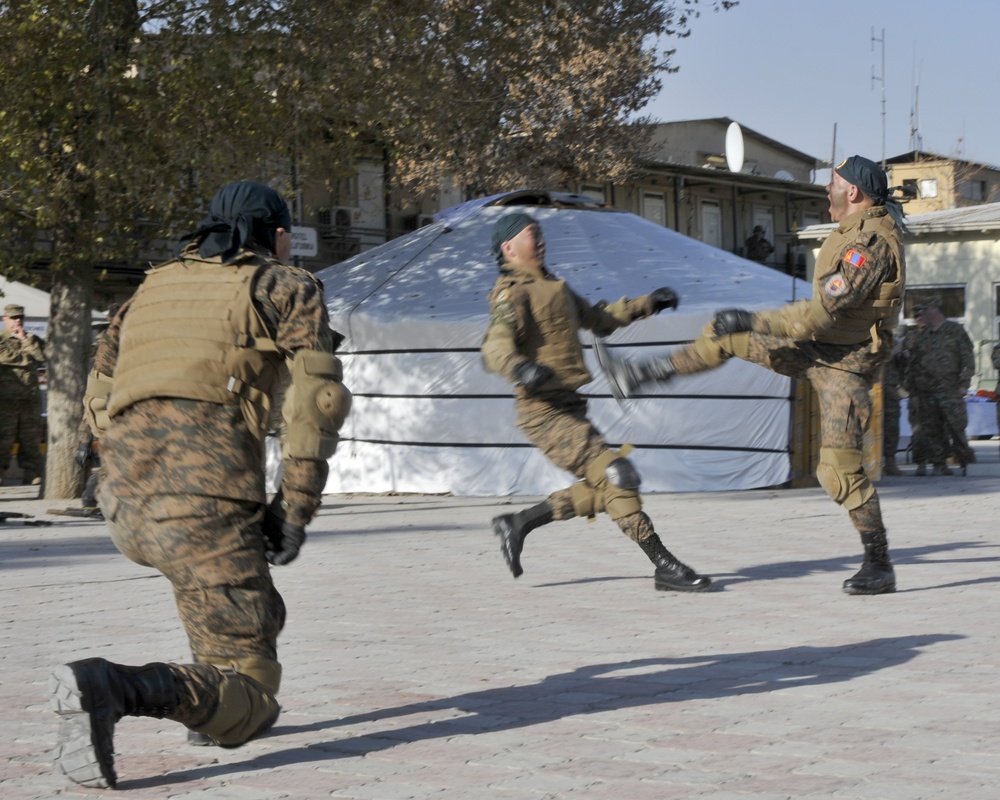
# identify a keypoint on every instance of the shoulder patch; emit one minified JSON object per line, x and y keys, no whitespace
{"x":835,"y":285}
{"x":854,"y":258}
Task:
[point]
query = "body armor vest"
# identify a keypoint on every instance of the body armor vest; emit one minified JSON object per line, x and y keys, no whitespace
{"x":192,"y":332}
{"x":553,"y":340}
{"x":879,"y":312}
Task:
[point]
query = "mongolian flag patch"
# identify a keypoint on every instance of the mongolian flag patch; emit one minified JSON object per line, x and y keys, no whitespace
{"x":835,"y":285}
{"x":854,"y":258}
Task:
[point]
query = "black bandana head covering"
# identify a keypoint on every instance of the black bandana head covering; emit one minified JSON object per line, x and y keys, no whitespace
{"x":240,"y":212}
{"x":871,"y":179}
{"x":506,"y":228}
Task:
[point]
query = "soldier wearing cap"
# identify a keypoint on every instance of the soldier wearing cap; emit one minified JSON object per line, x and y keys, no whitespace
{"x":21,"y":354}
{"x":939,"y":360}
{"x":837,"y":340}
{"x":533,"y":341}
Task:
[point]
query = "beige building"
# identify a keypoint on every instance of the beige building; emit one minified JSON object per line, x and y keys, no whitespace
{"x":936,"y":183}
{"x":687,"y":186}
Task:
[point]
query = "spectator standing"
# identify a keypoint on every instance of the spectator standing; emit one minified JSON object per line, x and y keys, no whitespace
{"x":21,"y":354}
{"x":758,"y":248}
{"x":939,"y":366}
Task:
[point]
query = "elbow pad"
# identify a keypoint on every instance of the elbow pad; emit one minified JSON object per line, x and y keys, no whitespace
{"x":316,"y":405}
{"x":95,"y":402}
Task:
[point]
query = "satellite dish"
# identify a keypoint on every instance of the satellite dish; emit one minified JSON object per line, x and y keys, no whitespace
{"x":734,"y":147}
{"x":784,"y":174}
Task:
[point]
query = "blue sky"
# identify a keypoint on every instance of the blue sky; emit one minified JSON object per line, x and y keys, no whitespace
{"x":790,"y":69}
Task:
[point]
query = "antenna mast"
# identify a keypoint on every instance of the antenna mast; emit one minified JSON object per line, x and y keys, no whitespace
{"x":916,"y":140}
{"x":880,"y":79}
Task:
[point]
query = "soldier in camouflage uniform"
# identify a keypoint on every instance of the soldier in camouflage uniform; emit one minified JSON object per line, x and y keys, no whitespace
{"x":939,"y":367}
{"x":891,"y":405}
{"x":532,"y":341}
{"x":87,"y":456}
{"x":180,"y":396}
{"x":838,"y":340}
{"x":21,"y":354}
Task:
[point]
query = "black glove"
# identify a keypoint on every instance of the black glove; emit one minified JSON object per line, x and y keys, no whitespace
{"x":83,"y":454}
{"x":732,"y":320}
{"x":282,"y":539}
{"x":531,"y":375}
{"x":662,"y":298}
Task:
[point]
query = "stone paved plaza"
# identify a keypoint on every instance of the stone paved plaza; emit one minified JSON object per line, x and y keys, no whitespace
{"x":416,"y":667}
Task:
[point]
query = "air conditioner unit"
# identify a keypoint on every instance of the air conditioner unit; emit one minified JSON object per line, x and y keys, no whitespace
{"x":339,"y":217}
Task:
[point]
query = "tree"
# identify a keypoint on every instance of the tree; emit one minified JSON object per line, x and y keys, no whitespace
{"x":118,"y":118}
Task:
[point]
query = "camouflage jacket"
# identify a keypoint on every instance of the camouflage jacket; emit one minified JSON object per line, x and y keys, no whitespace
{"x":858,"y":282}
{"x":19,"y":362}
{"x":179,"y":446}
{"x":537,"y":319}
{"x":938,"y":361}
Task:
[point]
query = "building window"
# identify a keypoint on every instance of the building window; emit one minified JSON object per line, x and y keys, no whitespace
{"x":910,"y":190}
{"x":972,"y":190}
{"x":928,"y":188}
{"x":952,"y":300}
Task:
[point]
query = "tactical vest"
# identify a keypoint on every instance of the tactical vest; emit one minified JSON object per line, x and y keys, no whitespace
{"x":192,"y":332}
{"x":877,"y":313}
{"x":550,"y":333}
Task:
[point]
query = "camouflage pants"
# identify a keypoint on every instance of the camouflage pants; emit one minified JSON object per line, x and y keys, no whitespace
{"x":844,"y":398}
{"x":939,"y":423}
{"x":212,"y":552}
{"x":890,"y":422}
{"x":558,"y":426}
{"x":21,"y":422}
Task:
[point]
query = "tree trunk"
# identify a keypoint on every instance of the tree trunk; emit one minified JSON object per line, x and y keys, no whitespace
{"x":67,"y":350}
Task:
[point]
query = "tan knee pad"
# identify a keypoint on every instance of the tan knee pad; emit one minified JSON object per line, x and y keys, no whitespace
{"x":715,"y":350}
{"x":587,"y":502}
{"x":618,"y":501}
{"x":245,"y":709}
{"x":842,"y":476}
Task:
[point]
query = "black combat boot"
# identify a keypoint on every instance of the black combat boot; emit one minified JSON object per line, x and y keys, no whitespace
{"x":89,"y":498}
{"x":512,"y":528}
{"x":90,"y":697}
{"x":672,"y":574}
{"x":627,"y":376}
{"x":876,"y":575}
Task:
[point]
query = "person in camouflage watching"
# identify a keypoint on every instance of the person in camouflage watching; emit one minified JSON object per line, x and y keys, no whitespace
{"x":180,"y":397}
{"x":837,"y":340}
{"x":533,"y":341}
{"x":21,"y":354}
{"x":939,"y":365}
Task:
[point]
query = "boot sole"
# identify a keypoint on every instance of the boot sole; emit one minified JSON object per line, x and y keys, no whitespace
{"x":887,"y":590}
{"x":76,"y":755}
{"x":667,"y":587}
{"x":499,"y":529}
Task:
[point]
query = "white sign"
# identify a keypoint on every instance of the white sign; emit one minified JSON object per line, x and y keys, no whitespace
{"x":304,"y":241}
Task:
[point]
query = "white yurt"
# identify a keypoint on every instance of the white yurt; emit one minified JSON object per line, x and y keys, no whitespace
{"x":428,"y":418}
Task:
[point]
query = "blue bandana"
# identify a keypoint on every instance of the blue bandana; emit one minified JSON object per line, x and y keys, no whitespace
{"x":239,"y":212}
{"x":506,"y":228}
{"x":870,"y":178}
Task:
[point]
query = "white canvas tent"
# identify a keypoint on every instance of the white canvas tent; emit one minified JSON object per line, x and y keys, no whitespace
{"x":428,"y":418}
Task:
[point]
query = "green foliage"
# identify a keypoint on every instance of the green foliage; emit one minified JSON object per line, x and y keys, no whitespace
{"x":118,"y":118}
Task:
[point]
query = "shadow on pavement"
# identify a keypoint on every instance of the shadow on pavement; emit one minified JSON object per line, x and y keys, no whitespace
{"x":591,"y":689}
